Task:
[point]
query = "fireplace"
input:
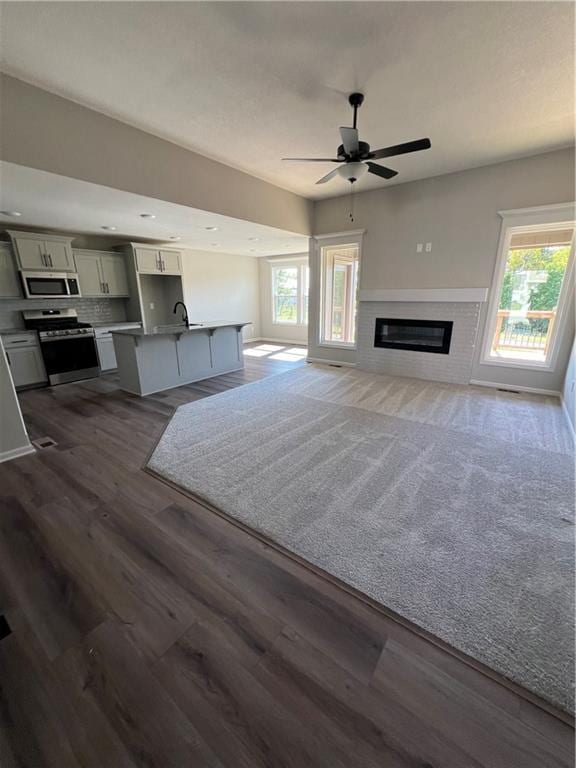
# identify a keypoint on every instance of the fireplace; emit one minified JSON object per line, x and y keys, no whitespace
{"x":414,"y":335}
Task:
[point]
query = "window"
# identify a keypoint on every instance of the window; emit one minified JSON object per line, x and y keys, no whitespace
{"x":290,"y":294}
{"x":339,"y":265}
{"x":529,"y":295}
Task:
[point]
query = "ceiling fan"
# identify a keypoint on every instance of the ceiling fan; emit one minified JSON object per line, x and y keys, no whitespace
{"x":357,"y":156}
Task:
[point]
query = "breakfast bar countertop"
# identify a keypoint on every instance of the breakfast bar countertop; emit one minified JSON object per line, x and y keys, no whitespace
{"x":177,"y":328}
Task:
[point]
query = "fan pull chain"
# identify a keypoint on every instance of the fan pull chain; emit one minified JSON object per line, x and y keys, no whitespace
{"x":351,"y":214}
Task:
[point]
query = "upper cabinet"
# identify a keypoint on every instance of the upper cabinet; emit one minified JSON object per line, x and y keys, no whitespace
{"x":158,"y":261}
{"x":9,"y":283}
{"x":101,"y":273}
{"x":38,"y":252}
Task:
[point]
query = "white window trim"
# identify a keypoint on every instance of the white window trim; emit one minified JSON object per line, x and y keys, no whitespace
{"x":353,"y":238}
{"x":289,"y":263}
{"x":529,"y":220}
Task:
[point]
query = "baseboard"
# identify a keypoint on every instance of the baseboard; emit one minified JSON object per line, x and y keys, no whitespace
{"x":15,"y":453}
{"x":531,"y":390}
{"x":568,"y":419}
{"x":277,"y":341}
{"x":330,"y":362}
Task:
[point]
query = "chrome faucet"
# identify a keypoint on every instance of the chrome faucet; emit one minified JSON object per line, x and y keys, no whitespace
{"x":185,"y":318}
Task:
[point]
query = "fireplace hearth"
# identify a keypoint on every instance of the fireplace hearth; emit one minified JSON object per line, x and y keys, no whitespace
{"x":414,"y":335}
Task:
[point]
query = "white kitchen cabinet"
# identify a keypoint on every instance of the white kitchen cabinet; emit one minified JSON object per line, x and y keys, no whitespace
{"x":114,"y":274}
{"x":171,"y":262}
{"x":106,"y":354}
{"x":156,"y":261}
{"x":101,"y":273}
{"x":38,"y":252}
{"x":10,"y":287}
{"x":89,"y":274}
{"x":25,"y":359}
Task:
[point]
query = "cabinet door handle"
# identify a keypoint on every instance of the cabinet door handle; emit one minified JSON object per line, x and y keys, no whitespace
{"x":163,"y":266}
{"x":44,"y":262}
{"x":49,"y":257}
{"x":107,"y":288}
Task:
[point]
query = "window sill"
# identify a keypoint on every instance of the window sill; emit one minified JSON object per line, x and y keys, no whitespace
{"x":289,"y":324}
{"x":523,"y":364}
{"x":336,"y":345}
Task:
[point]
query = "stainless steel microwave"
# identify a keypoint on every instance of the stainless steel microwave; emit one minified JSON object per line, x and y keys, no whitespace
{"x":50,"y":285}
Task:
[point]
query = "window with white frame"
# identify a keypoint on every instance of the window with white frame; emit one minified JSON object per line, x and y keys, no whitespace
{"x":290,"y":283}
{"x":339,"y":286}
{"x":529,"y":293}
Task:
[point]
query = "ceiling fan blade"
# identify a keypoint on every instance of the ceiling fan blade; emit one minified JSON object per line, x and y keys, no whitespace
{"x":311,"y":160}
{"x":381,"y":170}
{"x":401,"y":149}
{"x":350,"y":140}
{"x":328,"y":176}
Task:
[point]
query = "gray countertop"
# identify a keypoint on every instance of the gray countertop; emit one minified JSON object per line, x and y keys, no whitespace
{"x":171,"y":330}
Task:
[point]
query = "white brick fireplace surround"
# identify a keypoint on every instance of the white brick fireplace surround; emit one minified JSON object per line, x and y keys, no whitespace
{"x":461,"y":306}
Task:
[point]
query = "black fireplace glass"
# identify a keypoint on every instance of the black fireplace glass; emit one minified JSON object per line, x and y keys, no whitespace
{"x":415,"y":335}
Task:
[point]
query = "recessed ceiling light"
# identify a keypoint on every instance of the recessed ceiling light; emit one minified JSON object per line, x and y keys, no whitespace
{"x":10,"y":213}
{"x":175,"y":237}
{"x":110,"y":228}
{"x":147,"y":215}
{"x":253,"y":238}
{"x":211,"y":229}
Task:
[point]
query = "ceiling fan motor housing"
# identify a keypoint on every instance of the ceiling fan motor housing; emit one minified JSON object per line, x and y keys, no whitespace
{"x":363,"y":151}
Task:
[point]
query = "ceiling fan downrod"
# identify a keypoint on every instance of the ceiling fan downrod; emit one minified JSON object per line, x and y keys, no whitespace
{"x":355,"y":100}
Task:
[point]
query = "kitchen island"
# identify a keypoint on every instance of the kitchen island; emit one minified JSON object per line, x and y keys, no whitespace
{"x":155,"y":359}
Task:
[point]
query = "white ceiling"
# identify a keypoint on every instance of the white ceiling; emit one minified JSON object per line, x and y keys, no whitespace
{"x":54,"y":202}
{"x":249,"y":83}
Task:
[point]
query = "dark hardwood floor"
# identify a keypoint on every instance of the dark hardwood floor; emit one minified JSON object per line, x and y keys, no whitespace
{"x":148,"y":631}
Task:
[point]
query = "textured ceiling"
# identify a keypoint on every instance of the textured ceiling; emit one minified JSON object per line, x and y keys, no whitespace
{"x":249,"y":83}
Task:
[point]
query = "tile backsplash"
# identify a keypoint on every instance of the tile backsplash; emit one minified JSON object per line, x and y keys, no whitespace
{"x":89,"y":310}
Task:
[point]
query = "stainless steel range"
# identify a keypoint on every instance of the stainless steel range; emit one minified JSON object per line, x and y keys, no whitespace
{"x":68,"y":346}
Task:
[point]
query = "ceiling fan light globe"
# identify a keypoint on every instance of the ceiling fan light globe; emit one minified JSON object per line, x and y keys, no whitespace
{"x":352,"y":170}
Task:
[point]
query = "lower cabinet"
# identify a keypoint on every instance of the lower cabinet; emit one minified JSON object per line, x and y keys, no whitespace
{"x":106,"y":354}
{"x":26,"y":363}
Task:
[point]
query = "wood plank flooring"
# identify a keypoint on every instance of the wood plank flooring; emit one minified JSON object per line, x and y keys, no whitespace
{"x":149,"y":632}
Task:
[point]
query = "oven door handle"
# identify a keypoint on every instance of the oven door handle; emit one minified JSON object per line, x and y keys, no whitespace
{"x":67,"y":338}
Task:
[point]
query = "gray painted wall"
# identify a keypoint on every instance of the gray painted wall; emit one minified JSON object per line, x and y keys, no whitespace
{"x":13,"y":436}
{"x":44,"y":131}
{"x":222,"y":286}
{"x":458,"y":214}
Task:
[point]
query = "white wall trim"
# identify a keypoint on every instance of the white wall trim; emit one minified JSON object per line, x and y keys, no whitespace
{"x":15,"y":453}
{"x":347,"y":233}
{"x":519,"y":387}
{"x":425,"y":294}
{"x":330,"y":362}
{"x":561,"y":209}
{"x":568,"y":419}
{"x":288,"y":257}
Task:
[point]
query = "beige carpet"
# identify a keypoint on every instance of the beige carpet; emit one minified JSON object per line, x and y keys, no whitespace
{"x":451,"y":505}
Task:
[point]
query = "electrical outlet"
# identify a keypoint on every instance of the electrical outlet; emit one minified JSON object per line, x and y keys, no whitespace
{"x":151,"y":305}
{"x":428,"y":247}
{"x":419,"y":247}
